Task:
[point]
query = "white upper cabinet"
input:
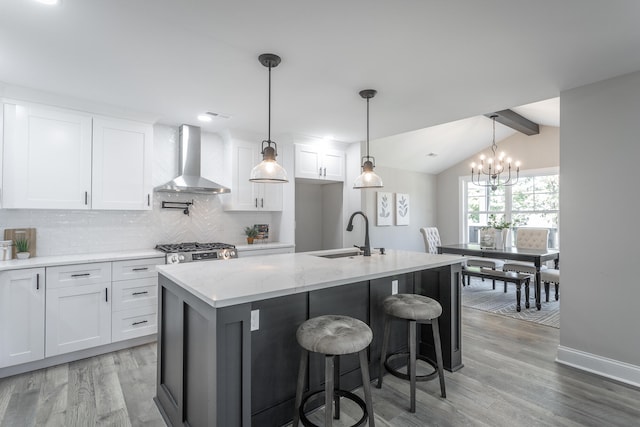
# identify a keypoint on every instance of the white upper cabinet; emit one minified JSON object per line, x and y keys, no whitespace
{"x":22,"y":305}
{"x":47,"y":158}
{"x":63,"y":159}
{"x":319,"y":163}
{"x":246,"y":195}
{"x":121,"y":172}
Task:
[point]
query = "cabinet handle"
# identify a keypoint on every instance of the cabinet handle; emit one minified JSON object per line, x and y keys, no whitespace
{"x":140,"y":293}
{"x":81,"y":275}
{"x":86,"y":197}
{"x":325,"y":172}
{"x":320,"y":172}
{"x":106,"y":294}
{"x":38,"y":281}
{"x":148,"y":199}
{"x":256,"y":202}
{"x":140,"y":269}
{"x":261,"y":202}
{"x":139,"y":323}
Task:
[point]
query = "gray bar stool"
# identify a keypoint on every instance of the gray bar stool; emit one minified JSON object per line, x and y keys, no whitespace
{"x":333,"y":336}
{"x":415,"y":309}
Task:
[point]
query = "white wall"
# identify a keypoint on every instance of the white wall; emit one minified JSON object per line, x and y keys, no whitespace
{"x":535,"y":152}
{"x":69,"y":232}
{"x":600,"y":201}
{"x":422,"y":195}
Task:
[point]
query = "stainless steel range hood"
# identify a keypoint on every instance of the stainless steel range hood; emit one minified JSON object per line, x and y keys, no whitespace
{"x":189,"y":179}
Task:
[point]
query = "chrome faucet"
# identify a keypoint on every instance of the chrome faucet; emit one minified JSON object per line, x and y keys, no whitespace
{"x":367,"y":247}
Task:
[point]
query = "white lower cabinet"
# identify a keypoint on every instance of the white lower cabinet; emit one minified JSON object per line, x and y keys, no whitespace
{"x":78,"y":307}
{"x":22,"y":298}
{"x":135,"y":298}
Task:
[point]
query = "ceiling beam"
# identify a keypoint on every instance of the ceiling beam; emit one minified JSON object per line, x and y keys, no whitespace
{"x":515,"y":121}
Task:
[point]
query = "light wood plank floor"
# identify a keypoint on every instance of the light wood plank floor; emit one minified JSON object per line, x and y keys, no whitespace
{"x":509,"y":378}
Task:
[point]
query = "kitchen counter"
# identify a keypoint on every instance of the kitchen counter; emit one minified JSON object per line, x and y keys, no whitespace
{"x":241,"y":280}
{"x":227,"y":352}
{"x":263,"y":246}
{"x":49,"y":261}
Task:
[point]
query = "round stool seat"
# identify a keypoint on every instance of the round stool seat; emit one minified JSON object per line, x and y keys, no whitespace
{"x":333,"y":334}
{"x":412,"y":307}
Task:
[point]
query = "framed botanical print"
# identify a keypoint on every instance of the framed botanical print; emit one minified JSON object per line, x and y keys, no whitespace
{"x":384,"y":208}
{"x":402,"y":209}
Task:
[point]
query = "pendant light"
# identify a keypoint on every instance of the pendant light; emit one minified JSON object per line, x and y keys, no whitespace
{"x":368,"y":178}
{"x":268,"y":170}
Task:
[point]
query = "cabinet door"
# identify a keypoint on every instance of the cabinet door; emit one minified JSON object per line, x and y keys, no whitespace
{"x":246,"y":195}
{"x":21,"y":316}
{"x":333,"y":165}
{"x":78,"y":317}
{"x":122,"y":158}
{"x":47,"y":158}
{"x":307,"y":162}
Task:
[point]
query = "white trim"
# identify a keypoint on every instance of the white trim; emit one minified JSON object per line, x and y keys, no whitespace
{"x":609,"y":368}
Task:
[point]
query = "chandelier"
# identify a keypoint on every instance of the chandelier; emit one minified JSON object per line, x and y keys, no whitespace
{"x":494,"y":171}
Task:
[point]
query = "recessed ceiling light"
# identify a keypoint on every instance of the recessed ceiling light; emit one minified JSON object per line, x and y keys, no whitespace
{"x":49,"y":2}
{"x":210,"y":115}
{"x":432,"y":155}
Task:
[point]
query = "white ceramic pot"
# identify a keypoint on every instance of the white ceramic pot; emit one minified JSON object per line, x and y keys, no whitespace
{"x":23,"y":255}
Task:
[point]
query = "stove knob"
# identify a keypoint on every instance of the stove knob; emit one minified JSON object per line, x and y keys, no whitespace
{"x":181,"y":257}
{"x":173,"y":259}
{"x":224,"y":254}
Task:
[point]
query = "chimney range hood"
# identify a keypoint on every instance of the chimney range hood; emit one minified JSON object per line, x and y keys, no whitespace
{"x":189,"y":179}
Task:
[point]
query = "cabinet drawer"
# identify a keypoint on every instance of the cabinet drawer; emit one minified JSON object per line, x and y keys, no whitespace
{"x":128,"y":294}
{"x":136,"y":268}
{"x":134,"y":323}
{"x":78,"y":274}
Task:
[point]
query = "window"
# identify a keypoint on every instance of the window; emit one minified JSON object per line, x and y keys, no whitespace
{"x":532,"y":202}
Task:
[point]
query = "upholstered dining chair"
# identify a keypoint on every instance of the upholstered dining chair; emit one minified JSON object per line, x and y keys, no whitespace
{"x":528,"y":238}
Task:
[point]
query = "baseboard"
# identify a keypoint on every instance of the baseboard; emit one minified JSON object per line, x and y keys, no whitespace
{"x":625,"y":373}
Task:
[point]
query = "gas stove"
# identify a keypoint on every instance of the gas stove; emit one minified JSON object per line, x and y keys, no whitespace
{"x":187,"y":252}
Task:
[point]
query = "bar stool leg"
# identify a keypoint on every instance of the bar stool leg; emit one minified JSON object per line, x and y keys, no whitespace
{"x":302,"y":371}
{"x":366,"y":386}
{"x":336,"y":386}
{"x":438,"y":348}
{"x":328,"y":389}
{"x":385,"y":343}
{"x":411,"y":366}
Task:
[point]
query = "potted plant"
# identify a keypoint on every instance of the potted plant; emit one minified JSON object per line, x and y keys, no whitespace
{"x":502,"y":228}
{"x":22,"y":248}
{"x":251,"y":233}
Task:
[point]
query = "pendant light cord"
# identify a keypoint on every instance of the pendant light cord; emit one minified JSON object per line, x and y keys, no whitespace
{"x":367,"y":127}
{"x":269,"y":127}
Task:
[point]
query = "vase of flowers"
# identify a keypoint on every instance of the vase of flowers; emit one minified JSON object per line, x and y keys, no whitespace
{"x":502,"y":229}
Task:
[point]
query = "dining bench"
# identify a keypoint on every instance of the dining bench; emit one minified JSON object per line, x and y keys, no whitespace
{"x":518,"y":279}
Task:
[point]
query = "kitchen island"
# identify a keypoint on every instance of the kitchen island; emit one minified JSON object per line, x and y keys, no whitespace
{"x":227,"y":353}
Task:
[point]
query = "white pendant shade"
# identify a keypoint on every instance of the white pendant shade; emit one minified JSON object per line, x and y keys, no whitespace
{"x":368,"y":179}
{"x":268,"y":171}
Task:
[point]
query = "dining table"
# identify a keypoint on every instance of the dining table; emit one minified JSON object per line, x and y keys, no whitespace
{"x":536,"y":256}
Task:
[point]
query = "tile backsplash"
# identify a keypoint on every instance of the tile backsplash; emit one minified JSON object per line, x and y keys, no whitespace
{"x":63,"y":232}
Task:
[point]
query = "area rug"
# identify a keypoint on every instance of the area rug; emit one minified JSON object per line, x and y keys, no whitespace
{"x":480,"y":296}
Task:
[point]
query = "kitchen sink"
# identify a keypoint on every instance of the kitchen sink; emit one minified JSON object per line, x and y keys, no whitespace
{"x":341,"y":255}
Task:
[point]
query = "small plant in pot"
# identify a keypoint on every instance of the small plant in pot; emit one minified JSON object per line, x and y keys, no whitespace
{"x":22,"y":248}
{"x":252,"y":233}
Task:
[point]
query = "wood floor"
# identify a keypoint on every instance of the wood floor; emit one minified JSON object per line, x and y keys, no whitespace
{"x":509,"y":378}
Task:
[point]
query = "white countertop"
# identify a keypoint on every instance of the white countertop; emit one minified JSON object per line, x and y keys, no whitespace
{"x":49,"y":261}
{"x":241,"y":280}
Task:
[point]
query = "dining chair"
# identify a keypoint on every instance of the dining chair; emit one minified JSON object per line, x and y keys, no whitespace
{"x":528,"y":238}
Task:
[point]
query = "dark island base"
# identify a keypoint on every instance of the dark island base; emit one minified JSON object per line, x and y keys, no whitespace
{"x":214,"y":371}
